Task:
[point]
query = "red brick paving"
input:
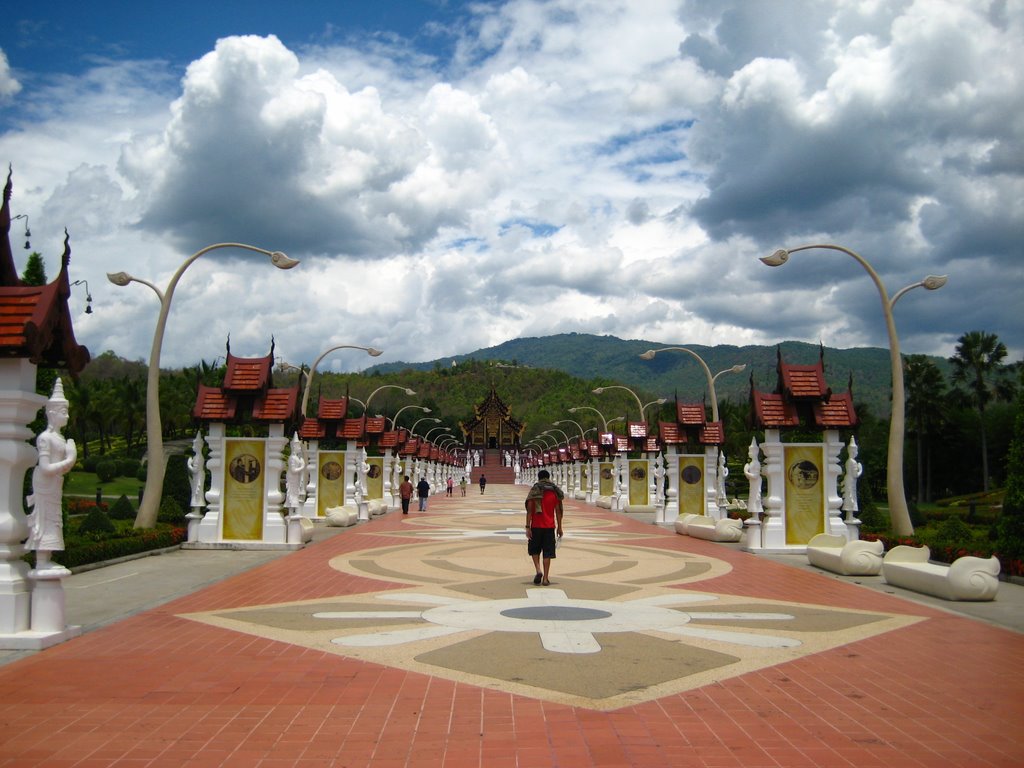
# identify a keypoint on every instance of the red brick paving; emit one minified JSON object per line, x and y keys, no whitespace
{"x":157,"y":691}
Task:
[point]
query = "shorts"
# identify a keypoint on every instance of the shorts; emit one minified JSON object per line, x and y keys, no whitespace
{"x":542,"y":542}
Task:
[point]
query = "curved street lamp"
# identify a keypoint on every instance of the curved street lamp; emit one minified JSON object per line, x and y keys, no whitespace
{"x":564,"y":436}
{"x":151,"y":495}
{"x":641,"y":406}
{"x":434,"y":429}
{"x":570,"y":421}
{"x":386,"y":386}
{"x":604,"y":421}
{"x":312,"y":369}
{"x":412,"y":430}
{"x":739,"y":368}
{"x":394,"y":421}
{"x":899,"y":514}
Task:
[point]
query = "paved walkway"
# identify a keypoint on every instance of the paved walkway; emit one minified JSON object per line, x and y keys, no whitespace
{"x":422,"y":641}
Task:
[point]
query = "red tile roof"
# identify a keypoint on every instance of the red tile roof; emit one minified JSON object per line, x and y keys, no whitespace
{"x":375,"y":425}
{"x":312,"y":429}
{"x":637,"y":429}
{"x":670,"y":433}
{"x":352,"y":429}
{"x":277,"y":405}
{"x":332,"y":410}
{"x":248,"y":374}
{"x":213,"y":404}
{"x":712,"y":433}
{"x":803,"y":382}
{"x":389,"y":439}
{"x":772,"y":412}
{"x":837,"y":412}
{"x":691,"y":414}
{"x":651,"y":445}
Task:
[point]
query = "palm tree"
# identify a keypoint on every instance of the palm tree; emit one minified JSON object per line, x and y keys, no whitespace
{"x":926,"y":387}
{"x":977,"y":364}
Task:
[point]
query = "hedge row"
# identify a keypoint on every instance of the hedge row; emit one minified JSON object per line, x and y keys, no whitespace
{"x":81,"y":552}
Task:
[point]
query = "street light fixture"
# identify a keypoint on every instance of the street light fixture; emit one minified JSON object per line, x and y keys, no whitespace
{"x":412,"y":430}
{"x":899,"y":513}
{"x":434,"y":429}
{"x":386,"y":386}
{"x":604,"y":421}
{"x":394,"y":421}
{"x":151,"y":496}
{"x":739,"y":368}
{"x":312,"y":369}
{"x":570,"y":421}
{"x":641,"y":406}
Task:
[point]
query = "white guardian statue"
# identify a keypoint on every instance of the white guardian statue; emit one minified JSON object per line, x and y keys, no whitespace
{"x":57,"y":455}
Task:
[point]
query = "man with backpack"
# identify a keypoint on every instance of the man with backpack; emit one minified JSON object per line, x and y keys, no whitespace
{"x":543,"y":524}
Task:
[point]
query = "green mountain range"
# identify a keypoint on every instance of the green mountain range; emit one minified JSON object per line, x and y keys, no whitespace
{"x":608,"y":359}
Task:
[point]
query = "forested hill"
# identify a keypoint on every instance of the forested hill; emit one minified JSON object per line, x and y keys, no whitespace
{"x":611,"y":359}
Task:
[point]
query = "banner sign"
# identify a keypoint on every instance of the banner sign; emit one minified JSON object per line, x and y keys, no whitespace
{"x":245,"y":463}
{"x":691,"y":485}
{"x":375,"y":478}
{"x":330,"y":484}
{"x":607,"y":484}
{"x":805,"y":492}
{"x":639,"y":490}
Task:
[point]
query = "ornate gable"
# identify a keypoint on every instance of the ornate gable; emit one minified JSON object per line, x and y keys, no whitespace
{"x":492,"y":425}
{"x":35,"y":321}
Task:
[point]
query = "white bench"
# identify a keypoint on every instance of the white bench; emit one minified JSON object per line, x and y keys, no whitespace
{"x":605,"y":502}
{"x":968,"y":578}
{"x":306,"y":528}
{"x":342,"y":517}
{"x":849,"y":558}
{"x":376,"y":507}
{"x":703,"y":527}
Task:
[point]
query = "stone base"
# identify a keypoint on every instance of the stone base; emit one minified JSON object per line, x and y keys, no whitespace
{"x":37,"y":641}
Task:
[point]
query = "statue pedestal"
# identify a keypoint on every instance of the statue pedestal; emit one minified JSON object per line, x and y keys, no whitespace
{"x":48,"y":617}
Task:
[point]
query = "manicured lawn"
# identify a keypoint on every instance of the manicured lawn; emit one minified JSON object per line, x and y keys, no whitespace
{"x":85,"y":483}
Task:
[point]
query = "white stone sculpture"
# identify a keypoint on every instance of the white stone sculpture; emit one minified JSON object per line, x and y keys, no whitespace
{"x":197,"y":471}
{"x":854,"y":469}
{"x":752,"y":471}
{"x":57,"y":455}
{"x":723,"y":472}
{"x":294,"y":475}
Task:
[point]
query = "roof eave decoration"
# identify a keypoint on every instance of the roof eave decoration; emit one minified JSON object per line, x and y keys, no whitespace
{"x":277,"y":406}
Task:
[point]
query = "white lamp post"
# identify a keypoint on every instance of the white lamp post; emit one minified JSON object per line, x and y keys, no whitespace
{"x":416,"y":423}
{"x":604,"y":422}
{"x":899,"y":514}
{"x":639,"y":405}
{"x":312,"y":369}
{"x":394,"y":421}
{"x":155,"y":468}
{"x":434,"y":429}
{"x":650,"y":353}
{"x":407,"y":391}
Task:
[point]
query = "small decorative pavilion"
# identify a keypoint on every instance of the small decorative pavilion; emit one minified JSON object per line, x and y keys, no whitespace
{"x":692,"y":446}
{"x":245,"y":503}
{"x":803,"y":491}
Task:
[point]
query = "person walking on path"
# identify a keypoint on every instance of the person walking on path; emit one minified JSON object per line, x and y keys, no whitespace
{"x":423,"y":491}
{"x":405,"y":493}
{"x":543,"y":524}
{"x":451,"y":485}
{"x":483,"y":483}
{"x":462,"y":485}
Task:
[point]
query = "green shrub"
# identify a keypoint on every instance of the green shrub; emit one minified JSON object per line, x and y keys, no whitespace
{"x":96,"y":522}
{"x":122,"y":509}
{"x":128,"y":467}
{"x":952,"y":532}
{"x":82,"y":551}
{"x":177,"y":483}
{"x":106,"y":470}
{"x":141,"y":474}
{"x":89,"y":463}
{"x":1010,"y":527}
{"x":873,"y":520}
{"x":170,"y":512}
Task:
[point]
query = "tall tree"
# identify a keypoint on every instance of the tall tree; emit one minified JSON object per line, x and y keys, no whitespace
{"x":35,"y":270}
{"x":976,"y":365}
{"x":926,"y":388}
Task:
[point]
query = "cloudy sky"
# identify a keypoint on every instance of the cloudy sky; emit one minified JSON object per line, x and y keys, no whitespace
{"x":453,"y":175}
